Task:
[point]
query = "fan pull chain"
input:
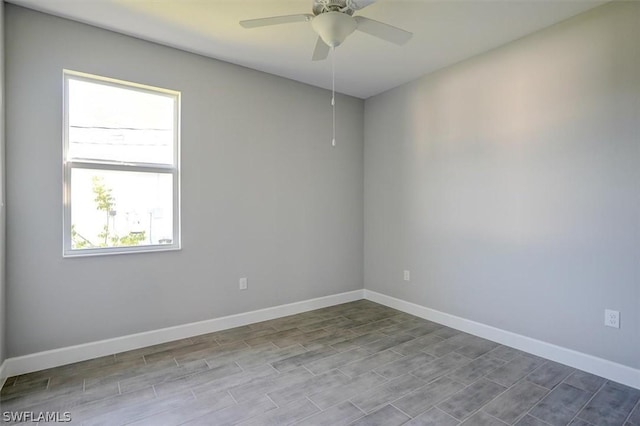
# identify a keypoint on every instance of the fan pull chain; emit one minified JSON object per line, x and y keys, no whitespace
{"x":333,"y":93}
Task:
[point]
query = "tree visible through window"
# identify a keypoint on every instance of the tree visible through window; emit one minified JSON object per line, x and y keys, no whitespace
{"x":121,"y":186}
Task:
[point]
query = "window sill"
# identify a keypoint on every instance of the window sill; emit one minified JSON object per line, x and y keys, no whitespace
{"x":119,"y":250}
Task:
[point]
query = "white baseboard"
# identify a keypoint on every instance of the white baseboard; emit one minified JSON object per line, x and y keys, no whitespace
{"x":594,"y":365}
{"x":57,"y":357}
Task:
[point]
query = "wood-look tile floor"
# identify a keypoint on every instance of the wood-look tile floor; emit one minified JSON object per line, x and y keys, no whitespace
{"x":358,"y":363}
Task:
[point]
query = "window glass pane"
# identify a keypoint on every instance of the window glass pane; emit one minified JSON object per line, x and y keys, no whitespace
{"x":120,"y":209}
{"x":119,"y":124}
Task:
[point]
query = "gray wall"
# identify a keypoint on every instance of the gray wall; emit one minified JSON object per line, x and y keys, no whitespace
{"x":3,"y":303}
{"x":508,"y":185}
{"x":263,"y":193}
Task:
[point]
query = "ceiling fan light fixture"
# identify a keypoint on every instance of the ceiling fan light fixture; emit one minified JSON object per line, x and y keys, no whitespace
{"x":334,"y":27}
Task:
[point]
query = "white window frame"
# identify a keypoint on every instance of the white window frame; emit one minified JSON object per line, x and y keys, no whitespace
{"x":96,"y":164}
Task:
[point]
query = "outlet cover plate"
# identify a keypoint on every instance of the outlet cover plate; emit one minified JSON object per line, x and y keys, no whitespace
{"x":243,"y":284}
{"x":612,"y":318}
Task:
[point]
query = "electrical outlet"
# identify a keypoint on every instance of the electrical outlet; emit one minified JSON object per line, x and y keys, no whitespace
{"x":407,"y":276}
{"x":612,"y":318}
{"x":243,"y":283}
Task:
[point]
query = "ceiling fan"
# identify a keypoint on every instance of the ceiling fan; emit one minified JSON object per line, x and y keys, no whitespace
{"x":333,"y":20}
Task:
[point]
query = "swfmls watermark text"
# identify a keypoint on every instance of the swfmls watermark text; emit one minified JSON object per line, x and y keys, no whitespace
{"x":36,"y":416}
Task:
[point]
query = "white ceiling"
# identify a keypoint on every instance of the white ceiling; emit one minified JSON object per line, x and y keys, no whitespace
{"x":445,"y":32}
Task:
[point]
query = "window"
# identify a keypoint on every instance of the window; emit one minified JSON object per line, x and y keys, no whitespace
{"x":121,"y":167}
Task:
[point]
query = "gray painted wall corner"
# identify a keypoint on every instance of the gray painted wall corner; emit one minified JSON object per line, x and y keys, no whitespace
{"x":264,"y":195}
{"x":508,"y":185}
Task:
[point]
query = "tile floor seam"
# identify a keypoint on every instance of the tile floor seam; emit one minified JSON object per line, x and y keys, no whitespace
{"x":305,"y":367}
{"x":299,"y":421}
{"x":528,"y":412}
{"x":539,"y":419}
{"x":496,"y":383}
{"x":364,"y":413}
{"x":635,"y":407}
{"x":522,"y":415}
{"x":525,"y":413}
{"x":461,"y":390}
{"x":403,"y":412}
{"x":315,"y":405}
{"x":352,"y":403}
{"x":232,"y":397}
{"x":523,"y":379}
{"x":493,"y":417}
{"x":587,"y":403}
{"x":274,"y":403}
{"x":344,"y":373}
{"x":447,"y":414}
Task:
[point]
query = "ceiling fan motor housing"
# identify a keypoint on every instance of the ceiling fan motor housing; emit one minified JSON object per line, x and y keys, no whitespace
{"x":334,"y":27}
{"x":323,"y":6}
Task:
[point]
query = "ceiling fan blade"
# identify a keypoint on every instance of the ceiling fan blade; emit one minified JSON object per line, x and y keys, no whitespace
{"x":321,"y":51}
{"x":276,"y":20}
{"x":359,"y":4}
{"x":381,"y":30}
